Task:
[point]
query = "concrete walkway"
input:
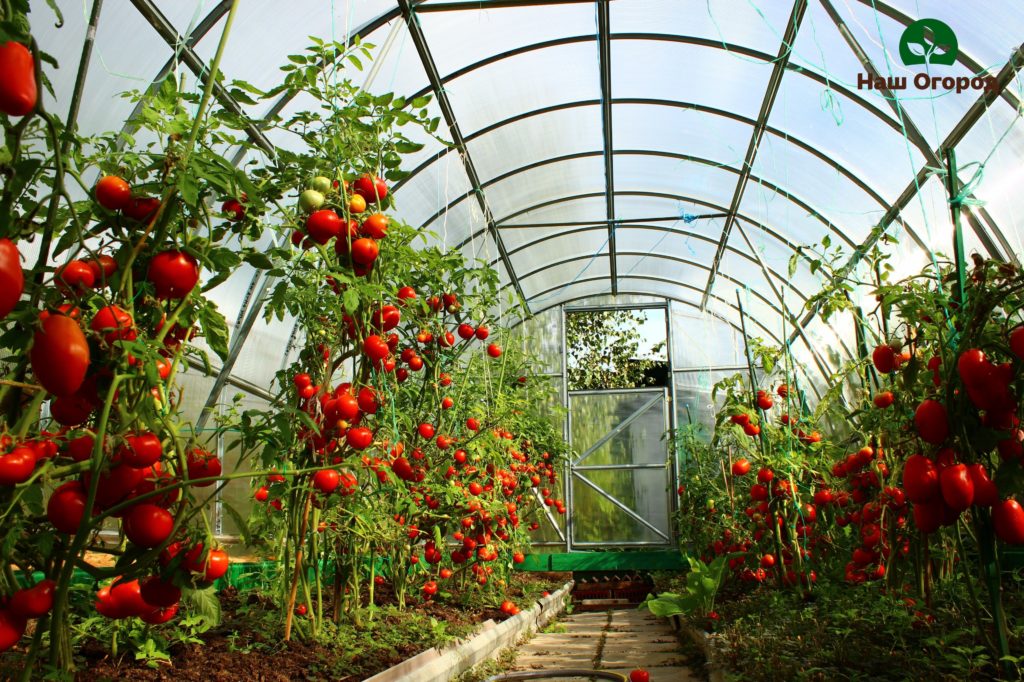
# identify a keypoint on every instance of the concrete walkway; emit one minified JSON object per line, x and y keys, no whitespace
{"x":611,"y":640}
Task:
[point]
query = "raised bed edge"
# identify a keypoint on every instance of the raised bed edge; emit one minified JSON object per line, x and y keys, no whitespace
{"x":442,"y":665}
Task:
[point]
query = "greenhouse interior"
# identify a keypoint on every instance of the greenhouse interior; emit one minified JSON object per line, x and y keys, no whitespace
{"x":489,"y":340}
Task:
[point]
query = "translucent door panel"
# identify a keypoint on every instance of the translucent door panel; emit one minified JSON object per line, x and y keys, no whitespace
{"x":620,"y":478}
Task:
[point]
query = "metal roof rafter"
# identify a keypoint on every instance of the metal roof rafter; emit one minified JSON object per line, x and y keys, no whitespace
{"x":914,"y":134}
{"x":774,"y":81}
{"x":955,"y":136}
{"x":605,"y":63}
{"x":420,"y":41}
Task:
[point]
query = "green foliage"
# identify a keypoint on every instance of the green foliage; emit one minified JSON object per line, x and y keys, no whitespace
{"x":603,"y":348}
{"x":702,"y":583}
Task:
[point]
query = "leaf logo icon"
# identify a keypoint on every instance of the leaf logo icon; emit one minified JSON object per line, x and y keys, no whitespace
{"x":928,"y":41}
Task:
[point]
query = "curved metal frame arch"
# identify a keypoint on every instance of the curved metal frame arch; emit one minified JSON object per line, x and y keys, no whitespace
{"x":800,"y":203}
{"x":683,"y":261}
{"x":675,"y":104}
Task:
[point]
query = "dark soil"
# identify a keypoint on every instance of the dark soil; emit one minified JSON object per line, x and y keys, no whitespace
{"x":243,"y":647}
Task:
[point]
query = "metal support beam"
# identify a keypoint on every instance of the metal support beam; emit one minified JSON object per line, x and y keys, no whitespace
{"x":774,"y":81}
{"x":605,"y":65}
{"x":629,"y":512}
{"x":955,"y":136}
{"x":166,"y":30}
{"x":424,"y":7}
{"x":420,"y":41}
{"x":912,"y":131}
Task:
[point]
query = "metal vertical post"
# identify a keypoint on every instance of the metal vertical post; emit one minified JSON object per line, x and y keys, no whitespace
{"x":672,"y":419}
{"x":567,"y":483}
{"x":953,"y":189}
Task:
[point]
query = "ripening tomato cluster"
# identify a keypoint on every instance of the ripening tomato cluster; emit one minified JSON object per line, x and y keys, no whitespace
{"x":356,"y":242}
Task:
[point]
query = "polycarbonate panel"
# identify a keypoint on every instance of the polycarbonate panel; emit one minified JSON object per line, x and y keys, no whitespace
{"x":543,"y":336}
{"x":430,"y":190}
{"x":236,"y":496}
{"x":822,"y":48}
{"x":598,"y":520}
{"x":787,"y":219}
{"x":998,"y":140}
{"x":546,"y":183}
{"x":814,"y":181}
{"x":195,"y":387}
{"x":305,"y":18}
{"x":584,"y":209}
{"x":553,"y":249}
{"x":682,"y":131}
{"x":596,"y":414}
{"x":702,"y":340}
{"x":738,"y":272}
{"x":126,"y":56}
{"x":754,"y":307}
{"x":457,"y":222}
{"x":536,"y":138}
{"x":848,"y":133}
{"x":694,"y":404}
{"x":638,"y":208}
{"x":675,"y":177}
{"x":661,"y":287}
{"x":757,"y":25}
{"x":461,"y":38}
{"x":665,"y":70}
{"x":560,"y":278}
{"x":528,"y":81}
{"x":776,"y":256}
{"x":650,"y":265}
{"x":263,"y":352}
{"x":575,"y":295}
{"x":677,"y":244}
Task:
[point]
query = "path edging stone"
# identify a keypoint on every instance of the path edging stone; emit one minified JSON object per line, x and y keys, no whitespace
{"x":442,"y":665}
{"x":708,"y":643}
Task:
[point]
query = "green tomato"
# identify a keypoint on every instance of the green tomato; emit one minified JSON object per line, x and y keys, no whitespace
{"x":711,"y":504}
{"x":311,"y":200}
{"x":321,"y":184}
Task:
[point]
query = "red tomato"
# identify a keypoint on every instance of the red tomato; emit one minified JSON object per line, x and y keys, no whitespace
{"x":12,"y":626}
{"x":1008,"y":519}
{"x":884,"y":358}
{"x":326,"y":480}
{"x":370,"y":188}
{"x":403,"y":469}
{"x":71,"y":410}
{"x":473,"y":424}
{"x":103,"y":268}
{"x":1016,"y":342}
{"x":765,"y":476}
{"x":387,"y":318}
{"x":884,"y":399}
{"x":323,"y":225}
{"x":142,"y":209}
{"x":35,"y":601}
{"x":17,"y":466}
{"x":367,"y":400}
{"x":113,"y":193}
{"x":375,"y":348}
{"x":142,"y":450}
{"x":429,"y":588}
{"x":214,"y":565}
{"x":116,"y":484}
{"x":234,"y":209}
{"x":359,"y":438}
{"x":158,"y":592}
{"x":12,"y":279}
{"x":957,"y":487}
{"x":174,"y":274}
{"x":18,"y":90}
{"x":376,"y":226}
{"x":159,"y":616}
{"x":406,"y":293}
{"x":466,"y":331}
{"x":426,"y":431}
{"x":203,"y":464}
{"x":66,"y":507}
{"x":921,"y":479}
{"x":365,"y":251}
{"x":74,"y":277}
{"x":114,"y":324}
{"x":985,"y":492}
{"x":494,"y":350}
{"x":741,"y":467}
{"x":931,"y":422}
{"x":148,"y":525}
{"x":60,"y":355}
{"x":126,"y":598}
{"x":639,"y":675}
{"x":518,"y":557}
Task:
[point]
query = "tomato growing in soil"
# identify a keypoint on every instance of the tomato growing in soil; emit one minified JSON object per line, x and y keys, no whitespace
{"x":143,"y":450}
{"x":148,"y":525}
{"x":375,"y":348}
{"x":113,"y":193}
{"x":158,"y":592}
{"x":359,"y":438}
{"x":214,"y":566}
{"x":884,"y":358}
{"x":921,"y":479}
{"x":365,"y":251}
{"x":429,"y":588}
{"x":60,"y":355}
{"x":473,"y":424}
{"x":1008,"y":519}
{"x":74,"y":277}
{"x":35,"y":601}
{"x":66,"y":507}
{"x":17,"y":466}
{"x":323,"y":225}
{"x":174,"y":274}
{"x":931,"y":421}
{"x":203,"y":464}
{"x":985,"y":492}
{"x":884,"y":399}
{"x":103,"y":268}
{"x":160,"y":616}
{"x":741,"y":467}
{"x":957,"y":487}
{"x":370,"y":188}
{"x":376,"y":226}
{"x":326,"y":480}
{"x":494,"y":350}
{"x":18,"y":89}
{"x":114,"y":324}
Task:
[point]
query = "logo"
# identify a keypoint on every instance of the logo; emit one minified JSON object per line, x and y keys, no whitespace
{"x":928,"y":42}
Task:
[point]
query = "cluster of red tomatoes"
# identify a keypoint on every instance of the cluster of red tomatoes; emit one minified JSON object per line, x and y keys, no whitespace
{"x":354,"y":240}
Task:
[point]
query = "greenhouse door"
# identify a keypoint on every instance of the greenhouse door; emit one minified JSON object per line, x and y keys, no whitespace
{"x":619,"y":480}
